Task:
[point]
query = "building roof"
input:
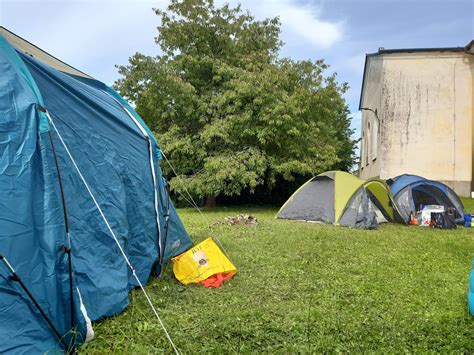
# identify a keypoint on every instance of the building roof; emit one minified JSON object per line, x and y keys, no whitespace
{"x":418,"y":50}
{"x":34,"y":51}
{"x":469,"y":49}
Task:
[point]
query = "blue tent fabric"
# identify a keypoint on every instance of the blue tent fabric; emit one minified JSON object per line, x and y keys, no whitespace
{"x":470,"y":292}
{"x":401,"y":181}
{"x":113,"y":156}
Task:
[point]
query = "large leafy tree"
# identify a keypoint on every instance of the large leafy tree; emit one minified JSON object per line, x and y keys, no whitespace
{"x":228,"y":112}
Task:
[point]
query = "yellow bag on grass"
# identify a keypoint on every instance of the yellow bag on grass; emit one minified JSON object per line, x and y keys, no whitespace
{"x":201,"y":262}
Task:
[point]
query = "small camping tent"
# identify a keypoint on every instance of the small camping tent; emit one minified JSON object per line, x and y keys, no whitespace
{"x":411,"y":192}
{"x":340,"y":198}
{"x":84,"y":212}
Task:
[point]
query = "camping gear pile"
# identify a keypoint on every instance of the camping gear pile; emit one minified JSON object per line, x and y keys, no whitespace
{"x":84,"y":210}
{"x":434,"y":216}
{"x":340,"y":198}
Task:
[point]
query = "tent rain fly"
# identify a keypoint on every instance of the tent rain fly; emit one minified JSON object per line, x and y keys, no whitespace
{"x":340,"y":198}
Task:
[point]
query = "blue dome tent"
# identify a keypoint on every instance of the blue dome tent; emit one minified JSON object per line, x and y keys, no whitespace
{"x":84,"y":211}
{"x":410,"y":192}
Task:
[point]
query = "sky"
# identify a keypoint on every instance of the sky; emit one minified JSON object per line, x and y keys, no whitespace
{"x":96,"y":35}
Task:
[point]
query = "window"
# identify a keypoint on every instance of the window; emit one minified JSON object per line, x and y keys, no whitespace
{"x":367,"y":144}
{"x":374,"y":140}
{"x":362,"y":150}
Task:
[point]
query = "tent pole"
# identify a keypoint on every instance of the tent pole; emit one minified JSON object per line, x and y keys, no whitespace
{"x":166,"y":227}
{"x":14,"y":277}
{"x":67,"y":249}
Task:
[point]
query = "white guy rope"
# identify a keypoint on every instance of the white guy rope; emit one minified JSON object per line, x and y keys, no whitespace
{"x":152,"y":166}
{"x":112,"y":232}
{"x":194,"y":204}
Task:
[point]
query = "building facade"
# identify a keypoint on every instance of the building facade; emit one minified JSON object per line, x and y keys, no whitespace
{"x":417,"y":115}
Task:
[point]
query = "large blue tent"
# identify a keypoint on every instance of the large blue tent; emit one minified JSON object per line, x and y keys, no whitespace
{"x":411,"y":192}
{"x":84,"y":212}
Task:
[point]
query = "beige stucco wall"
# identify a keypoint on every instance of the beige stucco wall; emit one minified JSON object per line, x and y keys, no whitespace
{"x":370,"y":167}
{"x":425,"y":105}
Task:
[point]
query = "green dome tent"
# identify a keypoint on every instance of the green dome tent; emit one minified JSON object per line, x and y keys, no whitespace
{"x":340,"y":198}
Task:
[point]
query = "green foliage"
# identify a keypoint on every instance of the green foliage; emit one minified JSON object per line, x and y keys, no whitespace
{"x":468,"y":204}
{"x":303,"y":288}
{"x":228,"y":112}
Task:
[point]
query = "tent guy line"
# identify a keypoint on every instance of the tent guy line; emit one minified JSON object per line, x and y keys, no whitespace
{"x":194,"y":204}
{"x":50,"y":119}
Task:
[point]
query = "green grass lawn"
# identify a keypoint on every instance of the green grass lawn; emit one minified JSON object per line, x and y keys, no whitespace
{"x":305,"y":287}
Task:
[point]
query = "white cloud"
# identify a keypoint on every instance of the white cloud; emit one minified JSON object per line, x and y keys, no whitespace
{"x":303,"y":20}
{"x":95,"y":35}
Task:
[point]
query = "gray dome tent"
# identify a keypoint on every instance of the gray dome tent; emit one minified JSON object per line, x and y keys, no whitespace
{"x":340,"y":198}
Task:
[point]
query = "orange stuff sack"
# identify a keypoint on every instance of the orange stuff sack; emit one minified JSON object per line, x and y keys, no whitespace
{"x":216,"y":280}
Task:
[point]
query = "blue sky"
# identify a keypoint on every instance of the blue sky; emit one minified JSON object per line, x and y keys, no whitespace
{"x":95,"y":35}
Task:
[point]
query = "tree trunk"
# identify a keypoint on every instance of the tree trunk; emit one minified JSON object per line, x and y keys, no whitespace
{"x":211,"y":201}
